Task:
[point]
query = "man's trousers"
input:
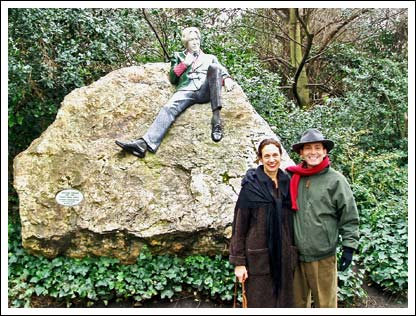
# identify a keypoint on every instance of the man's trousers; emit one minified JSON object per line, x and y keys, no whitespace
{"x":318,"y":278}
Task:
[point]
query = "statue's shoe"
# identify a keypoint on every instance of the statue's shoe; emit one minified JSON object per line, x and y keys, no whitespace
{"x":137,"y":148}
{"x":217,"y":132}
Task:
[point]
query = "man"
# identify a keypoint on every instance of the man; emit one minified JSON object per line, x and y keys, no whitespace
{"x":198,"y":78}
{"x":324,"y":208}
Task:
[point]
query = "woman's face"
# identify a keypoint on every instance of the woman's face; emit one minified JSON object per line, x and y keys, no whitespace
{"x":270,"y":158}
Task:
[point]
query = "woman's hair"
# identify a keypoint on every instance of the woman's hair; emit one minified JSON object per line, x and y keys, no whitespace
{"x":186,"y":33}
{"x":266,"y":142}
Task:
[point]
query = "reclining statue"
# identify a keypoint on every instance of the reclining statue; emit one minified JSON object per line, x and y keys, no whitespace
{"x":199,"y":78}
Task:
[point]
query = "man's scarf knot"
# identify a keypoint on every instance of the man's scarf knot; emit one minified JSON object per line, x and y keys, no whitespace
{"x":300,"y":171}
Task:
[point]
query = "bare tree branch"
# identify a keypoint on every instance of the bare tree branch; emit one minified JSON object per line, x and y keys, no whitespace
{"x":165,"y":53}
{"x":331,"y":37}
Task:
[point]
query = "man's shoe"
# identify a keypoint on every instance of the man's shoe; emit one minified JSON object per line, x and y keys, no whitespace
{"x":216,"y":133}
{"x":137,"y":148}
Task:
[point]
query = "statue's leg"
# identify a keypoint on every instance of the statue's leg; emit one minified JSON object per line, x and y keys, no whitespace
{"x":167,"y":115}
{"x":214,"y":79}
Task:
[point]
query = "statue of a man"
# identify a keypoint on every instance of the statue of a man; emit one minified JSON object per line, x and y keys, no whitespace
{"x":198,"y":78}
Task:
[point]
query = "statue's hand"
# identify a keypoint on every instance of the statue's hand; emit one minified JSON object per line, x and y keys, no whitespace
{"x":228,"y":84}
{"x":189,"y":59}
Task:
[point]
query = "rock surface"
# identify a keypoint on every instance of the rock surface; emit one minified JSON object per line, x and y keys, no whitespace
{"x":179,"y":200}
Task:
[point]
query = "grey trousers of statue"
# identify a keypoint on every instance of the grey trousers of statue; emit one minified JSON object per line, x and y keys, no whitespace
{"x":180,"y":101}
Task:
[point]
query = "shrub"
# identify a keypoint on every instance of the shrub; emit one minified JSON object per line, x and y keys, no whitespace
{"x":381,"y":192}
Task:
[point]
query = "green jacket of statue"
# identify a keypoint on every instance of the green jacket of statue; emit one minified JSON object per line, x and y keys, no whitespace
{"x":195,"y":74}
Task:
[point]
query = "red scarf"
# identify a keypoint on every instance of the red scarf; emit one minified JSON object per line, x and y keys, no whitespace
{"x":299,"y":171}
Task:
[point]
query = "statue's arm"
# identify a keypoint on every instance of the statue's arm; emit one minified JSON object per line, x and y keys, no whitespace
{"x":177,"y":67}
{"x":228,"y":82}
{"x":224,"y":71}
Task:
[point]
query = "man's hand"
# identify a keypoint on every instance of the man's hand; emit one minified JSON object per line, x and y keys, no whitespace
{"x":228,"y":84}
{"x":346,"y":258}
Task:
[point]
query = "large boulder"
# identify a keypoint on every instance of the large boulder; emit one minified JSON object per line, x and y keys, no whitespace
{"x":80,"y":195}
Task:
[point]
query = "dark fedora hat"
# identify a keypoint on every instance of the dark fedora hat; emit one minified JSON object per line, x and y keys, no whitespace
{"x":312,"y":135}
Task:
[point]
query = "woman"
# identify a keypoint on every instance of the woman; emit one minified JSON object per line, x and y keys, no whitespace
{"x":262,"y":239}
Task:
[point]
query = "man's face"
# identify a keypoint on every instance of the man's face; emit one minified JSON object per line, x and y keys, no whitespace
{"x":313,"y":154}
{"x":193,"y":43}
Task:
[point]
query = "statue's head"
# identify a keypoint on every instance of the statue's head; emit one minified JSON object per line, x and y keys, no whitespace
{"x":188,"y":34}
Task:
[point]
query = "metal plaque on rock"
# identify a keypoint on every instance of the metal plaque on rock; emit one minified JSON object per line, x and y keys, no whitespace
{"x":69,"y":197}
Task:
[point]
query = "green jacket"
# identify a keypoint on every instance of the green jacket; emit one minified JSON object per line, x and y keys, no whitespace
{"x":195,"y":75}
{"x":327,"y":210}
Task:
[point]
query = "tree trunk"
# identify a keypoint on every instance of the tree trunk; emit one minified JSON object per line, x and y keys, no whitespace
{"x":296,"y":57}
